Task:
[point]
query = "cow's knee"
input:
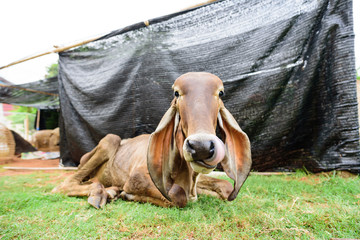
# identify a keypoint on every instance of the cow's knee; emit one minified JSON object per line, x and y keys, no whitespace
{"x":178,"y":196}
{"x":112,"y":138}
{"x":110,"y":141}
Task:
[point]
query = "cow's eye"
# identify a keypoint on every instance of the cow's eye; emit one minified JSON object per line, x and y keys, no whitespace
{"x":221,"y":93}
{"x":176,"y":93}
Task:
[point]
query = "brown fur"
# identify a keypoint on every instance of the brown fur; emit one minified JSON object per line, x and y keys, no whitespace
{"x":47,"y":140}
{"x":154,"y":168}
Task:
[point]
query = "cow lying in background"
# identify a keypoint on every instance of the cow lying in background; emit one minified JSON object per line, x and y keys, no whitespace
{"x":167,"y":167}
{"x":47,"y":140}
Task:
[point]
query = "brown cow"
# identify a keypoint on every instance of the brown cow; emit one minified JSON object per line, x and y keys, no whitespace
{"x":47,"y":140}
{"x":167,"y":167}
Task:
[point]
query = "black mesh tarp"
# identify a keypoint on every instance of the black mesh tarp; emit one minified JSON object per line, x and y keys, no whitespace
{"x":288,"y":69}
{"x":41,"y":94}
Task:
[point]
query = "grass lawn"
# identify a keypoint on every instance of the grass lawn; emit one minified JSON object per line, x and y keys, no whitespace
{"x":298,"y":206}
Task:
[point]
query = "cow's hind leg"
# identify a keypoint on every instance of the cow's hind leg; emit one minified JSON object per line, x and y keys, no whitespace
{"x":90,"y":166}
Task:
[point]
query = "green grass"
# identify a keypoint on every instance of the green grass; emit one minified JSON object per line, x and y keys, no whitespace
{"x":299,"y":206}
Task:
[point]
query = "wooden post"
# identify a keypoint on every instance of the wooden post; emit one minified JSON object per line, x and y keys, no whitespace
{"x":26,"y":127}
{"x":38,"y":120}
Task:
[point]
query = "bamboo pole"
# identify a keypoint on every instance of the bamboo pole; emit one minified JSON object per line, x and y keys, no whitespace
{"x":62,"y":49}
{"x":199,"y":4}
{"x":56,"y":50}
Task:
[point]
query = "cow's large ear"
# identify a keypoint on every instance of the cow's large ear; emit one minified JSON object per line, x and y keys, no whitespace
{"x":162,"y":151}
{"x":237,"y":162}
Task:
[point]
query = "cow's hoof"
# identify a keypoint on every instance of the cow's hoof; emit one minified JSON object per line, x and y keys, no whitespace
{"x":112,"y":194}
{"x":98,"y":196}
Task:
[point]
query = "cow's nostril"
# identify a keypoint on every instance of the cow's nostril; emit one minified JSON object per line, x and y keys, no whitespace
{"x":212,"y":149}
{"x":190,"y":146}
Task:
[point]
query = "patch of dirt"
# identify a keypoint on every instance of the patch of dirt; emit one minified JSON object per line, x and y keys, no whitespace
{"x":312,"y":180}
{"x":30,"y":163}
{"x":18,"y":162}
{"x":343,"y":174}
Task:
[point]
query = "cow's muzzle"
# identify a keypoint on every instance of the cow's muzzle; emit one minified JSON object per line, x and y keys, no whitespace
{"x":203,"y":151}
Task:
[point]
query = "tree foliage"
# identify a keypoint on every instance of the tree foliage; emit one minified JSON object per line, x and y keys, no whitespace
{"x":52,"y":70}
{"x":20,"y":113}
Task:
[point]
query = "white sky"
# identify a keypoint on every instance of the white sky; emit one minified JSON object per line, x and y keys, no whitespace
{"x":31,"y":27}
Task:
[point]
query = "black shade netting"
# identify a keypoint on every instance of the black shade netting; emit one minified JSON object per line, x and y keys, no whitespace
{"x":41,"y":94}
{"x":287,"y":66}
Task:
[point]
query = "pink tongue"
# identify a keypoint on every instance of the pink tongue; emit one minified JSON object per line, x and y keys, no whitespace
{"x":220,"y":152}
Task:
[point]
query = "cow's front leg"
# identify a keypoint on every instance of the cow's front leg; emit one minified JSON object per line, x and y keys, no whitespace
{"x":176,"y":193}
{"x":219,"y":188}
{"x":193,"y":191}
{"x":140,"y":188}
